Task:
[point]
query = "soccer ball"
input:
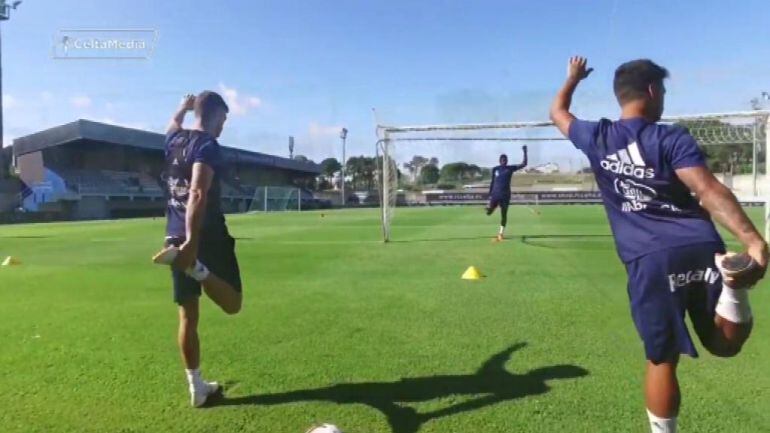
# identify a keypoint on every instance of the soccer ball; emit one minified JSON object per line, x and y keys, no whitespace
{"x":325,"y":428}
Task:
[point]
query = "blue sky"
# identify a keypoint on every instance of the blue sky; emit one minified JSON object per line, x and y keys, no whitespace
{"x":306,"y":68}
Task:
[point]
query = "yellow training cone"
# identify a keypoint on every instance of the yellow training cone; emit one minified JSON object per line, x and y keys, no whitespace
{"x":10,"y":261}
{"x":472,"y":274}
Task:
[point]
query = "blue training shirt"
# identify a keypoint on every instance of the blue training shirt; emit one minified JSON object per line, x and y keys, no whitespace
{"x":501,"y":179}
{"x":648,"y":207}
{"x":183,"y":149}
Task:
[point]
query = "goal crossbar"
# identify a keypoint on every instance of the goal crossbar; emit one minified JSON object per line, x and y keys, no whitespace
{"x":392,"y":129}
{"x":756,"y":133}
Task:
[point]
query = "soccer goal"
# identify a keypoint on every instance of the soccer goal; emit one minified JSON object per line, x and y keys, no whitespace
{"x":276,"y":199}
{"x":735,"y":144}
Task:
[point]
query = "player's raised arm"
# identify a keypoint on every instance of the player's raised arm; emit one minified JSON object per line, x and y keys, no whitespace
{"x":577,"y":70}
{"x":177,"y":119}
{"x":523,"y":161}
{"x":721,"y":203}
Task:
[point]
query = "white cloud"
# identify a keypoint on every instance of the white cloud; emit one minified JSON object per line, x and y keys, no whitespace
{"x":239,"y":105}
{"x":81,"y":101}
{"x":10,"y":102}
{"x":316,"y":130}
{"x":46,"y":96}
{"x":112,"y":121}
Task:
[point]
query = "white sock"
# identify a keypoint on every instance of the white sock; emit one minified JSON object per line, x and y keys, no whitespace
{"x":734,"y":305}
{"x":194,"y":377}
{"x":198,"y":272}
{"x":661,"y":425}
{"x":502,"y":229}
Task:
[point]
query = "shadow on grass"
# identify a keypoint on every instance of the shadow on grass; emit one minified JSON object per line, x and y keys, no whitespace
{"x":490,"y":384}
{"x":448,"y":239}
{"x":547,"y":240}
{"x":531,"y":240}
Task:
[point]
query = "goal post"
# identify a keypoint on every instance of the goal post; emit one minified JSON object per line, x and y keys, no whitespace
{"x":741,"y":138}
{"x":276,"y":199}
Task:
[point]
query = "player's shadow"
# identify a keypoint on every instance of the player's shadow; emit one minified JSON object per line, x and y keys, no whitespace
{"x":489,"y":385}
{"x":554,"y":241}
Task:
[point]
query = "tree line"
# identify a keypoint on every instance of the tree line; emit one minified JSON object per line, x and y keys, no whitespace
{"x":361,"y":172}
{"x":727,"y":157}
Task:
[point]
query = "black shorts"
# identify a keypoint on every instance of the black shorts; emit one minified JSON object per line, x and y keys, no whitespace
{"x":498,"y":200}
{"x":218,"y":255}
{"x":664,"y":286}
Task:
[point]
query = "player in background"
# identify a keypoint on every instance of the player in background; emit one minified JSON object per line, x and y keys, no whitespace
{"x":198,"y":245}
{"x":500,"y":189}
{"x":647,"y":173}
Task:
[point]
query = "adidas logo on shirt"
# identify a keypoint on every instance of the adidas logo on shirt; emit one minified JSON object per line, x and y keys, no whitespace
{"x":628,"y":162}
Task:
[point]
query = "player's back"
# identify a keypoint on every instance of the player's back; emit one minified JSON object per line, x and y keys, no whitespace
{"x":635,"y":163}
{"x":183,"y":149}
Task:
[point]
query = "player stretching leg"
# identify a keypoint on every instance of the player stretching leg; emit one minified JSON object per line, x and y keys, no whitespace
{"x":198,"y":244}
{"x":646,"y":173}
{"x":500,"y":189}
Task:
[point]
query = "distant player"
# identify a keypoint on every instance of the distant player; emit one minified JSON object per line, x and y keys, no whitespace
{"x":500,"y":189}
{"x":647,"y":173}
{"x":198,"y":244}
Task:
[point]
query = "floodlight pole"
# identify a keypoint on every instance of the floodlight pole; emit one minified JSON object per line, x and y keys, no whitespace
{"x":2,"y":141}
{"x":5,"y":14}
{"x":343,"y":136}
{"x":764,"y":96}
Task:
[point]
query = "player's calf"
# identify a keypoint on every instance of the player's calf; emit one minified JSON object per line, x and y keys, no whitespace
{"x":728,"y":338}
{"x":662,"y":396}
{"x":223,"y":294}
{"x":733,"y":321}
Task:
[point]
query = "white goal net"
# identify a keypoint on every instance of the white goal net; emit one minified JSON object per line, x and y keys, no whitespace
{"x":735,"y":144}
{"x":276,"y":199}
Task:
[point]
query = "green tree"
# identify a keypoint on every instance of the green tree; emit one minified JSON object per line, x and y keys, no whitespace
{"x":455,"y":171}
{"x":726,"y":156}
{"x":329,"y":167}
{"x":429,"y":174}
{"x":414,"y":167}
{"x":362,"y":170}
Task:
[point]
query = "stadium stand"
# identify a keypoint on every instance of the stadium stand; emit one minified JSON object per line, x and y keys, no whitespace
{"x":92,"y":170}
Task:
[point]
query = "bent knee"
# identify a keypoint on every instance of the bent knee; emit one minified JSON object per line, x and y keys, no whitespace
{"x":233,"y":308}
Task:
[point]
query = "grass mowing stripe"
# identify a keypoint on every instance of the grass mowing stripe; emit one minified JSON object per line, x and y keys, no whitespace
{"x":333,"y":318}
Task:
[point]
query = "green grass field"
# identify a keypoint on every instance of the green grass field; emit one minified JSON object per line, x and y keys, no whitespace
{"x":339,"y":327}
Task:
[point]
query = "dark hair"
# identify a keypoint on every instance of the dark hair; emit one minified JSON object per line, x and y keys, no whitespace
{"x":502,"y":155}
{"x":633,"y":78}
{"x":207,"y":102}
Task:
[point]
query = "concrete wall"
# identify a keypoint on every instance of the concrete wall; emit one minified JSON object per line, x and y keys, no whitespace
{"x":742,"y":185}
{"x":90,"y":208}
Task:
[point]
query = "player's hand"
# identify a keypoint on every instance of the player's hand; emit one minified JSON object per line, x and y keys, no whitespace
{"x":759,"y":253}
{"x":524,"y":148}
{"x":186,"y":257}
{"x":188,"y":102}
{"x":577,"y":68}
